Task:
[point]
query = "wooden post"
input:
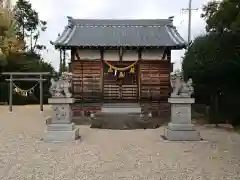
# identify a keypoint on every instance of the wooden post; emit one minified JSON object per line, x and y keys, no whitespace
{"x":10,"y":92}
{"x":60,"y":65}
{"x":64,"y":60}
{"x":139,"y":73}
{"x":82,"y":104}
{"x":41,"y":92}
{"x":102,"y":76}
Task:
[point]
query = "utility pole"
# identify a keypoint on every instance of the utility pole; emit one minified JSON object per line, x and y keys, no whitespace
{"x":189,"y":9}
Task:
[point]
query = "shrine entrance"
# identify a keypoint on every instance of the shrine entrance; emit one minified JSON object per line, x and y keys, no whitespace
{"x":120,"y":82}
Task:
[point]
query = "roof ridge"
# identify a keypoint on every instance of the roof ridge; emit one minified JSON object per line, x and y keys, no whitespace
{"x":119,"y":22}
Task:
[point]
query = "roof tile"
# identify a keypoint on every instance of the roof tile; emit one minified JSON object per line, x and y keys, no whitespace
{"x":91,"y":32}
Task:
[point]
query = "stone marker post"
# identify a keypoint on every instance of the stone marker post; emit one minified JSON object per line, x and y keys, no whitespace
{"x":180,"y":128}
{"x":61,"y":127}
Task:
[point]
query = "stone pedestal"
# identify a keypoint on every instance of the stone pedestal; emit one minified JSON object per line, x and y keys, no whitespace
{"x":61,"y":127}
{"x":180,"y":128}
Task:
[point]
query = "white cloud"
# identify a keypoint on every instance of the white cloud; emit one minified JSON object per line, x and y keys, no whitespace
{"x":55,"y":12}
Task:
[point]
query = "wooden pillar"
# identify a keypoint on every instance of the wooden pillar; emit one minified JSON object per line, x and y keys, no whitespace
{"x":64,"y":60}
{"x":169,"y":63}
{"x":169,"y":55}
{"x":102,"y":75}
{"x":120,"y":53}
{"x":82,"y":104}
{"x":72,"y":58}
{"x":10,"y":92}
{"x":138,"y":73}
{"x":60,"y":64}
{"x":73,"y":51}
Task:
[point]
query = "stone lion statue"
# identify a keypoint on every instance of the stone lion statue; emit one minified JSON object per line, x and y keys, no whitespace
{"x":181,"y":88}
{"x":60,"y":88}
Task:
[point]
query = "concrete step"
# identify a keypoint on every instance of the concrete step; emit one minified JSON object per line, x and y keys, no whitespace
{"x":121,"y":108}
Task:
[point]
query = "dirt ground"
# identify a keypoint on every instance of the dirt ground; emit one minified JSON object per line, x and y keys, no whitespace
{"x":111,"y":154}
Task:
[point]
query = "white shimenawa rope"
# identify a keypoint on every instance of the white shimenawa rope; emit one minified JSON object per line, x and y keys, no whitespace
{"x":24,"y":92}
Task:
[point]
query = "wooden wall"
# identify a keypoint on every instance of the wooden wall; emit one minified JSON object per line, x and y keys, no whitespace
{"x":154,"y":80}
{"x":155,"y":87}
{"x":87,"y":80}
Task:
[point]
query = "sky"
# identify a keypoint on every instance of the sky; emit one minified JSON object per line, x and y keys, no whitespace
{"x":55,"y":12}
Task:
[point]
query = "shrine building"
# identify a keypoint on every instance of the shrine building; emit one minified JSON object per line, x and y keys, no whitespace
{"x":121,"y":61}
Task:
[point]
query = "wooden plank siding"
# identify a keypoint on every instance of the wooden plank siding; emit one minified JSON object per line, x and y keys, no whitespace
{"x":155,"y":80}
{"x":150,"y":82}
{"x":155,"y":86}
{"x":86,"y":80}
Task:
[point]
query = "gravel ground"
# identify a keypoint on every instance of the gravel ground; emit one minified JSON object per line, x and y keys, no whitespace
{"x":111,"y":155}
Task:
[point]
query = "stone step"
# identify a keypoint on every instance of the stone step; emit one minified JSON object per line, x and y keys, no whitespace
{"x":121,"y":108}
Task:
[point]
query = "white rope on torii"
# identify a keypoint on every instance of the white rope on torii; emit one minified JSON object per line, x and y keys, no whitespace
{"x":23,"y":92}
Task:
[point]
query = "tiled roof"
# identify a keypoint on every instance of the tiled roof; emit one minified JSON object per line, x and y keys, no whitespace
{"x":109,"y":32}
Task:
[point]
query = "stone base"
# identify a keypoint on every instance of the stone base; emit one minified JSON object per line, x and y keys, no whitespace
{"x":61,"y":127}
{"x":182,"y":135}
{"x":61,"y":135}
{"x":61,"y":100}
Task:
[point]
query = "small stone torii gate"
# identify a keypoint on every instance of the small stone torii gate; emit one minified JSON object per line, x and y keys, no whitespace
{"x":12,"y":79}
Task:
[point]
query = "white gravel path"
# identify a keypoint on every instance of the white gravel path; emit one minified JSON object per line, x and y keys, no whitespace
{"x":111,"y":155}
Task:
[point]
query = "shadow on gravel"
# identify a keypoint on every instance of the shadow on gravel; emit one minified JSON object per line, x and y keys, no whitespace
{"x":125,"y":122}
{"x":82,"y":120}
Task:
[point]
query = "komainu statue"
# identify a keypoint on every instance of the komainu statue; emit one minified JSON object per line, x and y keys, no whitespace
{"x":181,"y":88}
{"x":61,"y":87}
